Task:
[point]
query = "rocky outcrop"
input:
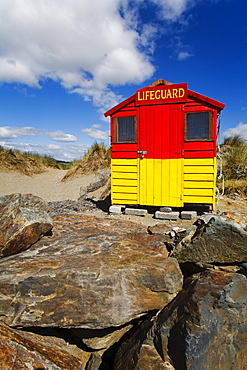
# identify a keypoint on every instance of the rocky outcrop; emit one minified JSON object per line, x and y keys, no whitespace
{"x":102,"y":293}
{"x":203,"y":328}
{"x":91,"y":273}
{"x":23,"y":350}
{"x":23,"y":221}
{"x":212,"y":239}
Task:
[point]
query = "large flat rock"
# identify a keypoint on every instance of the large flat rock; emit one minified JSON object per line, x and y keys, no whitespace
{"x":91,"y":273}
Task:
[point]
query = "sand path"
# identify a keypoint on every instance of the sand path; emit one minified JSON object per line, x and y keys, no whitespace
{"x":46,"y":185}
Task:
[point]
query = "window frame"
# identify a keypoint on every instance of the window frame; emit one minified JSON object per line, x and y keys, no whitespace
{"x":116,"y":132}
{"x":210,"y":125}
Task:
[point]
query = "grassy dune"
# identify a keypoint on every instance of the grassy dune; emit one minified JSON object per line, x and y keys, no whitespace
{"x":25,"y":163}
{"x":96,"y":158}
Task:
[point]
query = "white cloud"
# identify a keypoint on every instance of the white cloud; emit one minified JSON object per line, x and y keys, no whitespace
{"x":96,"y":134}
{"x":10,"y":133}
{"x":60,"y":136}
{"x":87,"y":46}
{"x":184,"y":55}
{"x":59,"y":152}
{"x":240,"y":129}
{"x":172,"y":9}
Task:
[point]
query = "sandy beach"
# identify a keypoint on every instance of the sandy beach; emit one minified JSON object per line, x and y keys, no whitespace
{"x":49,"y":187}
{"x":46,"y":185}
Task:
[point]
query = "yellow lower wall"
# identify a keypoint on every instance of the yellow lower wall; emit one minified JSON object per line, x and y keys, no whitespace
{"x":163,"y":182}
{"x":125,"y":181}
{"x":199,"y":180}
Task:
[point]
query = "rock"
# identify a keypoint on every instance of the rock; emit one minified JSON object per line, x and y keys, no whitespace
{"x":91,"y":273}
{"x":212,"y":239}
{"x":23,"y":350}
{"x":115,"y":210}
{"x":128,"y":353}
{"x":94,"y":362}
{"x":136,"y":212}
{"x":102,"y":182}
{"x":235,"y":217}
{"x":167,"y":215}
{"x":149,"y":358}
{"x":204,"y":327}
{"x":160,"y":229}
{"x":70,"y":206}
{"x":106,"y":340}
{"x":188,"y":215}
{"x":23,"y":221}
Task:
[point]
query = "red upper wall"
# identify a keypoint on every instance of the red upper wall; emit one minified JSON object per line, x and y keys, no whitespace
{"x":160,"y":115}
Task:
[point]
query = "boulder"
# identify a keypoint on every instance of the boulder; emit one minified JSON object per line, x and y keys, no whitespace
{"x":204,"y":327}
{"x":99,"y":188}
{"x":23,"y":221}
{"x":23,"y":350}
{"x":91,"y":273}
{"x":212,"y":239}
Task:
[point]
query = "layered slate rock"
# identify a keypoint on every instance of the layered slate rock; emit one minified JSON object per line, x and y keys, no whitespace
{"x":212,"y":239}
{"x":23,"y":221}
{"x":204,"y":327}
{"x":23,"y":350}
{"x":92,"y":273}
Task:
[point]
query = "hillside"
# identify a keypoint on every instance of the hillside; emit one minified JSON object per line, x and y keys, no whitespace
{"x":25,"y":163}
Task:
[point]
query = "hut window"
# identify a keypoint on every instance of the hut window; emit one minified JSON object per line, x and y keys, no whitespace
{"x":198,"y":126}
{"x":125,"y":129}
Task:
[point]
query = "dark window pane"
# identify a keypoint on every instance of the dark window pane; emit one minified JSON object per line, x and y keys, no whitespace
{"x":126,"y":129}
{"x":198,"y":126}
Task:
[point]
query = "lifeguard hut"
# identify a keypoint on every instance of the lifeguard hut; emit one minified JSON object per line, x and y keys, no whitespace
{"x":163,"y":147}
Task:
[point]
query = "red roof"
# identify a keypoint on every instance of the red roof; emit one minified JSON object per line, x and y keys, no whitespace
{"x":191,"y":94}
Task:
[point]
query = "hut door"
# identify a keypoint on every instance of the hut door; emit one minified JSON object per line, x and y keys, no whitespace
{"x":124,"y":159}
{"x":160,"y":148}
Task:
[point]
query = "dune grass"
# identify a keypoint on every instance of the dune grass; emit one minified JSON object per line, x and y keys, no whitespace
{"x":235,"y":158}
{"x":25,"y":163}
{"x":97,"y":157}
{"x":234,"y":150}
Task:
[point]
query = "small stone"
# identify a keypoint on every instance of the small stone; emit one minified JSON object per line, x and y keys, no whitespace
{"x":136,"y":212}
{"x":116,"y":210}
{"x":165,"y":209}
{"x":178,"y":229}
{"x":188,"y":215}
{"x":167,"y":215}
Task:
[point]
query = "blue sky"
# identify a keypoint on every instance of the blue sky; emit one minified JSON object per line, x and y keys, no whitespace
{"x":65,"y":62}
